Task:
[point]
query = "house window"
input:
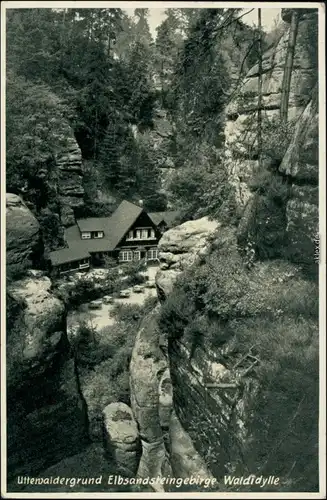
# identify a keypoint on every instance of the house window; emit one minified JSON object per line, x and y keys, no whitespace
{"x":130,"y":235}
{"x":126,"y":256}
{"x":152,"y":234}
{"x":137,"y":255}
{"x":86,"y":235}
{"x":98,"y":234}
{"x":138,"y":234}
{"x":144,"y":234}
{"x":152,"y":254}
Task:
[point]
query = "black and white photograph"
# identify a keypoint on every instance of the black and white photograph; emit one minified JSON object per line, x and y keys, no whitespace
{"x":163,"y":250}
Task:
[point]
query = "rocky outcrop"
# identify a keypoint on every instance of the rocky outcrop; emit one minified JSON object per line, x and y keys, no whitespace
{"x":179,"y":248}
{"x":70,"y":181}
{"x":22,"y":233}
{"x":241,"y":113}
{"x":46,"y":414}
{"x":150,"y":384}
{"x":121,"y":437}
{"x":147,"y":365}
{"x":301,"y":165}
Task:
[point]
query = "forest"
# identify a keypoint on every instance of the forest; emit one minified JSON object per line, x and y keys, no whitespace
{"x":101,"y":72}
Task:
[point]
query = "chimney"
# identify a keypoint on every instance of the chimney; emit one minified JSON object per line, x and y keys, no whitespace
{"x":141,"y":203}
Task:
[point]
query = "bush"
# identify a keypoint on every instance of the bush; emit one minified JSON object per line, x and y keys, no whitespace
{"x":83,"y":291}
{"x":272,"y":309}
{"x":264,"y":222}
{"x":15,"y":272}
{"x":133,"y":272}
{"x":277,"y":136}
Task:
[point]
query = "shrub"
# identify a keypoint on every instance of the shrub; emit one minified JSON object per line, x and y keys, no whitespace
{"x":18,"y":271}
{"x":272,"y":309}
{"x":264,"y":224}
{"x":83,"y":291}
{"x":277,"y":136}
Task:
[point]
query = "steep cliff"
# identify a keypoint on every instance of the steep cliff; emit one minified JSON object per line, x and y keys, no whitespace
{"x":241,"y":113}
{"x":238,"y":321}
{"x":45,"y":412}
{"x":237,"y":334}
{"x":23,"y":233}
{"x":166,"y":448}
{"x":69,"y":180}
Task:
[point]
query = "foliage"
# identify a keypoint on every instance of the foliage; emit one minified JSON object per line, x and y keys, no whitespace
{"x":264,"y":225}
{"x":72,"y":54}
{"x":17,"y":271}
{"x":35,"y":129}
{"x":276,"y":137}
{"x":51,"y":230}
{"x":271,"y":308}
{"x":105,"y":355}
{"x":133,"y":272}
{"x":201,"y":187}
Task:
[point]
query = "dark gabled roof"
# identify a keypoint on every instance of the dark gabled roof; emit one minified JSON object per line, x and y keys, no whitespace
{"x":73,"y":238}
{"x":114,"y":228}
{"x":121,"y":220}
{"x":169,"y":217}
{"x":92,"y":224}
{"x":70,"y":254}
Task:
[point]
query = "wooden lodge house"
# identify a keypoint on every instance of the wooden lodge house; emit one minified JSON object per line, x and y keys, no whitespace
{"x":129,"y":234}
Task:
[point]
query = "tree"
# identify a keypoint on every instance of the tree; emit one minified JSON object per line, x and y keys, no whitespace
{"x":287,"y":75}
{"x":259,"y":90}
{"x":36,"y":131}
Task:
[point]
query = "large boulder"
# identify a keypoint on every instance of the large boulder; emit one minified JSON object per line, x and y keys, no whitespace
{"x":121,"y":437}
{"x":179,"y":248}
{"x":38,"y":335}
{"x":22,"y":232}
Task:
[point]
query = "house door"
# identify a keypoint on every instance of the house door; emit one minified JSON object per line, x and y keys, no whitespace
{"x":143,"y":254}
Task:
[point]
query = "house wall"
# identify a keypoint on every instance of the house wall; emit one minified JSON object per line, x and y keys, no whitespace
{"x":143,"y":221}
{"x":80,"y":265}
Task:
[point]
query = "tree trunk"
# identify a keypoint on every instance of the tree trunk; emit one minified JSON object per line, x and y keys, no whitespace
{"x":286,"y":85}
{"x":259,"y":118}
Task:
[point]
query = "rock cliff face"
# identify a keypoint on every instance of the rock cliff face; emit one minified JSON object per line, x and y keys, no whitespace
{"x":70,"y":181}
{"x":241,"y":113}
{"x":23,"y":232}
{"x":46,"y":414}
{"x":57,"y":187}
{"x":301,"y":165}
{"x":166,"y":448}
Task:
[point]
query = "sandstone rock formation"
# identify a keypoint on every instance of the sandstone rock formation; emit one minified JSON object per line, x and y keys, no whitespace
{"x":150,"y":384}
{"x":147,"y":365}
{"x":70,"y":181}
{"x":121,"y":437}
{"x":241,"y":124}
{"x":179,"y":248}
{"x":22,"y":232}
{"x":46,"y":414}
{"x":300,"y":164}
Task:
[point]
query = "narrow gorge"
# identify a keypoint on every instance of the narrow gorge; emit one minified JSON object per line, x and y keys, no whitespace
{"x":216,"y":374}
